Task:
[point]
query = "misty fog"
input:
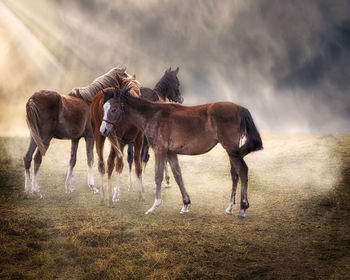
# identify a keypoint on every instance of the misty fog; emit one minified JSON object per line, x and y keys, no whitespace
{"x":286,"y":61}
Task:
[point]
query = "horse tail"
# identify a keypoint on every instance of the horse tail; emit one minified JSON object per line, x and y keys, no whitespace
{"x":248,"y":129}
{"x":32,"y":119}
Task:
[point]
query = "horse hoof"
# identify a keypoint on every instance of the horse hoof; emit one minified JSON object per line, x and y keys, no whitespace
{"x":37,"y":195}
{"x":228,"y":212}
{"x":95,"y":190}
{"x":240,"y":216}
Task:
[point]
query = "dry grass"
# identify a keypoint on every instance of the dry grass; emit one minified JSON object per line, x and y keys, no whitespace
{"x":297,"y":226}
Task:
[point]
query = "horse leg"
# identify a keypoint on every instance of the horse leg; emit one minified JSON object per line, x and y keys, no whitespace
{"x":138,"y":167}
{"x":167,"y":177}
{"x":89,"y":141}
{"x":175,"y":168}
{"x":110,"y":166}
{"x":242,"y":170}
{"x":130,"y":160}
{"x":232,"y":202}
{"x":160,"y":158}
{"x":37,"y":162}
{"x":118,"y":168}
{"x":27,"y":162}
{"x":144,"y":153}
{"x":100,"y":140}
{"x":72,"y":162}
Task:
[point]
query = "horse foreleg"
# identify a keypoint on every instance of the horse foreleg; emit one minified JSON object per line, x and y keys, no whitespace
{"x":232,"y":202}
{"x":138,"y":167}
{"x":167,"y":177}
{"x":110,"y":166}
{"x":130,"y":160}
{"x":160,"y":159}
{"x":145,"y":153}
{"x":100,"y":140}
{"x":242,"y":170}
{"x":72,"y":162}
{"x":119,"y":165}
{"x":27,"y":162}
{"x":175,"y":168}
{"x":89,"y":141}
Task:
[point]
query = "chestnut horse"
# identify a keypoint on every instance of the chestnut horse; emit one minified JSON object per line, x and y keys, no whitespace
{"x":173,"y":129}
{"x":167,"y":88}
{"x":52,"y":115}
{"x":125,"y":134}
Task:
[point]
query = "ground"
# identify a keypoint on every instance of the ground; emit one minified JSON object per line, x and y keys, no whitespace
{"x":297,"y":226}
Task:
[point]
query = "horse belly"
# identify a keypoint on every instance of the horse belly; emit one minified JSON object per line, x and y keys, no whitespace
{"x":193,"y":146}
{"x":72,"y":120}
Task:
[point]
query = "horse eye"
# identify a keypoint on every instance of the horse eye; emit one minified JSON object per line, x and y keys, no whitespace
{"x":113,"y":110}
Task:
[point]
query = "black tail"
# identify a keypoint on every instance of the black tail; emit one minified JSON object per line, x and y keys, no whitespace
{"x":248,"y":129}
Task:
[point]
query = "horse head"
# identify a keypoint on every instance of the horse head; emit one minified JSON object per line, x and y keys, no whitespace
{"x":173,"y":89}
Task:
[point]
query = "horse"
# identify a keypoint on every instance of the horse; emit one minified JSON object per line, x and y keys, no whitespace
{"x":52,"y":115}
{"x":167,"y":88}
{"x":126,"y":133}
{"x":173,"y":129}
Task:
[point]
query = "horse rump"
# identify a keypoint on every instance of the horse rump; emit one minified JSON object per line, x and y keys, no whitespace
{"x":248,"y":128}
{"x":32,"y":118}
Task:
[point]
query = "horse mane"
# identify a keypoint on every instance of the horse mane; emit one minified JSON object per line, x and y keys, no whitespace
{"x":131,"y":83}
{"x":109,"y":79}
{"x":163,"y":84}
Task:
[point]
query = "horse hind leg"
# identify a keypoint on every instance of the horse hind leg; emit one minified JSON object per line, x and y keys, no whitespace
{"x":72,"y":162}
{"x":242,"y":170}
{"x":27,"y":163}
{"x":232,"y":202}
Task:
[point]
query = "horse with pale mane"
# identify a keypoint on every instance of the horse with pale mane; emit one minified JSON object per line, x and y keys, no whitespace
{"x":53,"y":115}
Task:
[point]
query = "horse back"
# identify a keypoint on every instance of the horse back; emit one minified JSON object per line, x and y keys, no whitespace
{"x":149,"y":94}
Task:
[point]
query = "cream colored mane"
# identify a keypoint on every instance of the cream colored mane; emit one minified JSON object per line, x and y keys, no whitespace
{"x":108,"y":79}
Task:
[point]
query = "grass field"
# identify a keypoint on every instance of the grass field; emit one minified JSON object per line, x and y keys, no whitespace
{"x":297,"y":226}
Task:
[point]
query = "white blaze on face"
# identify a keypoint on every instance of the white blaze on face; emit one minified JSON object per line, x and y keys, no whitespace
{"x":106,"y":108}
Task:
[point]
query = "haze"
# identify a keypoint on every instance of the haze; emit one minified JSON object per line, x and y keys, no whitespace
{"x":286,"y":61}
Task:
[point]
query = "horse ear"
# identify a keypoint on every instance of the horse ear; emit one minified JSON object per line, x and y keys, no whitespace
{"x":133,"y":77}
{"x":177,"y":70}
{"x":107,"y":95}
{"x":168,"y":70}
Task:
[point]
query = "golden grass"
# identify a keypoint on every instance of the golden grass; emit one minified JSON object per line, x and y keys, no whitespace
{"x":297,"y":226}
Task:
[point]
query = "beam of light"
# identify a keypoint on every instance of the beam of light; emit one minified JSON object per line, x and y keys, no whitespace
{"x":28,"y":45}
{"x":49,"y":28}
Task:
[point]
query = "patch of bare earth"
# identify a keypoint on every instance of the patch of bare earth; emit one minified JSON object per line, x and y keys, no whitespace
{"x":296,"y":228}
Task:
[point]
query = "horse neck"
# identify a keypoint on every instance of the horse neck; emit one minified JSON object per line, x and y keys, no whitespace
{"x":162,"y":89}
{"x":138,"y":111}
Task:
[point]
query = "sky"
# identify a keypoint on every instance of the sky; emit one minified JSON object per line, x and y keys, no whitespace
{"x":286,"y":61}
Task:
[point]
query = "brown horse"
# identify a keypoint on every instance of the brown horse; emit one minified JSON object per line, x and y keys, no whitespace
{"x":52,"y":115}
{"x":125,"y":134}
{"x":173,"y":129}
{"x":167,"y":88}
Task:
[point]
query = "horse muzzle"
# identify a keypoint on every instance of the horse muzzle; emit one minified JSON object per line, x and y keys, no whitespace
{"x":105,"y":130}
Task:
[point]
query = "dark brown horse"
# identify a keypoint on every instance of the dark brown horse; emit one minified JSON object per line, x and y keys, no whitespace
{"x":52,"y":115}
{"x":173,"y":129}
{"x":167,"y":88}
{"x":125,"y":134}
